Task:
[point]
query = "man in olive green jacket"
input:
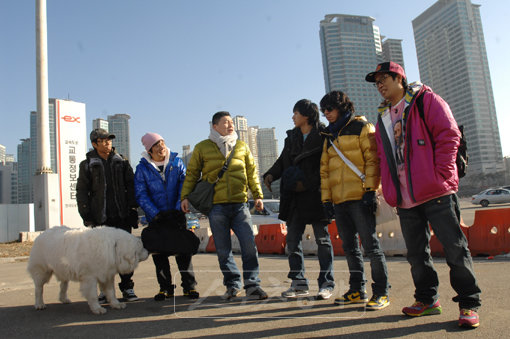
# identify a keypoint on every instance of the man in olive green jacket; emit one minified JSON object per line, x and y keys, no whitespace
{"x":230,"y":209}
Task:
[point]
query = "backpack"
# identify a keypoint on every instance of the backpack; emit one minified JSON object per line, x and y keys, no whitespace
{"x":462,"y":157}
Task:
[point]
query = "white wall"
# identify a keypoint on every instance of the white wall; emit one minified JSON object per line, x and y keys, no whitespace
{"x":15,"y":218}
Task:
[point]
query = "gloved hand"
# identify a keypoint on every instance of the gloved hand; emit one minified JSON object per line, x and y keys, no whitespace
{"x":370,"y":200}
{"x":268,"y":179}
{"x":163,"y":215}
{"x":329,"y":210}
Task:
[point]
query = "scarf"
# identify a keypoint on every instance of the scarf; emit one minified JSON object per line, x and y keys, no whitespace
{"x":336,"y":126}
{"x":156,"y":164}
{"x":224,"y":142}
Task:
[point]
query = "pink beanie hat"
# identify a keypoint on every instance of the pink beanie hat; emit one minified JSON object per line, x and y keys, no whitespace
{"x":149,"y":139}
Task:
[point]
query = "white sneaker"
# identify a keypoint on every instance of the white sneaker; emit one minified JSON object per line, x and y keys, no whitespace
{"x":294,"y":293}
{"x":231,"y":293}
{"x":102,"y":298}
{"x":324,"y":293}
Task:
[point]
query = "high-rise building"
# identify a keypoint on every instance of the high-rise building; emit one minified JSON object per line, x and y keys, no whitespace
{"x":452,"y":60}
{"x":267,"y":145}
{"x":351,"y":48}
{"x":241,"y":127}
{"x":252,"y":144}
{"x":2,"y":154}
{"x":186,"y":154}
{"x":9,"y":158}
{"x":100,"y":123}
{"x":25,"y":172}
{"x":392,"y":51}
{"x":8,"y":182}
{"x":118,"y":124}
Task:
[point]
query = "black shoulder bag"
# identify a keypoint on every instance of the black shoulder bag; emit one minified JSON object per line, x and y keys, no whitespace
{"x":202,"y":195}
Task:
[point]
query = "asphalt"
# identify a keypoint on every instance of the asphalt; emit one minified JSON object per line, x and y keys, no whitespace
{"x":210,"y":317}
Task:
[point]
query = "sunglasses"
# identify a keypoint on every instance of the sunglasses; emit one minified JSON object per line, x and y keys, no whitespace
{"x":327,"y":108}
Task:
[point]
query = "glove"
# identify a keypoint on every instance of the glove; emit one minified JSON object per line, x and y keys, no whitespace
{"x":268,"y":179}
{"x":329,"y":210}
{"x":369,"y":199}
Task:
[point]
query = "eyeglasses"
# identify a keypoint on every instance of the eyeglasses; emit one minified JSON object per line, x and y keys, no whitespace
{"x":381,"y":81}
{"x":327,"y":108}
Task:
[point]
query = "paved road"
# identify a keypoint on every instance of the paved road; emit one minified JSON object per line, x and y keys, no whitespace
{"x":209,"y":317}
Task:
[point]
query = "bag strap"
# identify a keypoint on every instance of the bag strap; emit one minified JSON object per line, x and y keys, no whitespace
{"x":348,"y":162}
{"x":225,"y":165}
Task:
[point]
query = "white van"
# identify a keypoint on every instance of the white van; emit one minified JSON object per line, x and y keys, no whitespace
{"x":269,"y":215}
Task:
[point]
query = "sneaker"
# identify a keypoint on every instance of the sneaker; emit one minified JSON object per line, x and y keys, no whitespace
{"x":468,"y":318}
{"x":378,"y":302}
{"x":352,"y":297}
{"x":418,"y":309}
{"x":102,"y":298}
{"x":255,"y":292}
{"x":162,"y":295}
{"x":295,"y":293}
{"x":231,"y":293}
{"x":324,"y":294}
{"x":129,"y":295}
{"x":192,"y":294}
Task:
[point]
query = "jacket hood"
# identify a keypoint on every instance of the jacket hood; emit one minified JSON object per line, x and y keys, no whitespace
{"x":147,"y":158}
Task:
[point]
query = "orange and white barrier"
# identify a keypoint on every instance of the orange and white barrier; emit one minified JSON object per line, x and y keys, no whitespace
{"x":271,"y":239}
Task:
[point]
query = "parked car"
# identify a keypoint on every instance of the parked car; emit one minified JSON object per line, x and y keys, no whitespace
{"x":269,"y":215}
{"x":491,"y":196}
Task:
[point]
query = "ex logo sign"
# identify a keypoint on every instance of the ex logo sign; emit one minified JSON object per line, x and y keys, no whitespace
{"x":68,"y":118}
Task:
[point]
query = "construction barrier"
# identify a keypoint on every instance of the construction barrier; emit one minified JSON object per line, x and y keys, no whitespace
{"x":490,"y":233}
{"x":335,"y":239}
{"x":271,"y":239}
{"x":203,"y":233}
{"x":308,"y":241}
{"x":391,"y":239}
{"x":236,"y":246}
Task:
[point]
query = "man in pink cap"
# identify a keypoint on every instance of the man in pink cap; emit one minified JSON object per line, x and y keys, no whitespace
{"x":158,"y":183}
{"x":417,"y":141}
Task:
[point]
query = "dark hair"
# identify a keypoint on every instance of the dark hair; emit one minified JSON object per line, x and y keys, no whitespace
{"x":218,"y":115}
{"x":308,"y":109}
{"x":339,"y":100}
{"x":404,"y":81}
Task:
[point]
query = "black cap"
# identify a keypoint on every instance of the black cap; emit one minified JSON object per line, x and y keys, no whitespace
{"x":100,"y":133}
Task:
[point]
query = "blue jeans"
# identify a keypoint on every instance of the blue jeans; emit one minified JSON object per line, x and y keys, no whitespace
{"x":443,"y":214}
{"x":354,"y":220}
{"x":222,"y":218}
{"x":295,"y":230}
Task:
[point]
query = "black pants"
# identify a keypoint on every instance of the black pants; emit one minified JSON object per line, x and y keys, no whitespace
{"x":125,"y":279}
{"x":164,"y":276}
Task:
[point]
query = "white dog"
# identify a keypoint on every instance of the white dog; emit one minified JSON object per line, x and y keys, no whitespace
{"x":87,"y":255}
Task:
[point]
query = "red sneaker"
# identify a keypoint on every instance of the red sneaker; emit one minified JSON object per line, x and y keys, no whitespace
{"x":468,"y":318}
{"x":418,"y":309}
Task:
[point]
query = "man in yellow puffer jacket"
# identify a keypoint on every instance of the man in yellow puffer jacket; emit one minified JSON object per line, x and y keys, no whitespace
{"x":230,"y":209}
{"x":353,"y":196}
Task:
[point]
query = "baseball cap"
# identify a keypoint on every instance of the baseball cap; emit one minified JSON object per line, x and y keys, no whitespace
{"x":100,"y":133}
{"x":386,"y":67}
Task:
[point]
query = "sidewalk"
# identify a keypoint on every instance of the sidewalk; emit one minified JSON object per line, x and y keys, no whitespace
{"x":209,"y":317}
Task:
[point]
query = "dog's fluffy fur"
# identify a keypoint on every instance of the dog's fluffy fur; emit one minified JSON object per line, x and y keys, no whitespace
{"x":89,"y":255}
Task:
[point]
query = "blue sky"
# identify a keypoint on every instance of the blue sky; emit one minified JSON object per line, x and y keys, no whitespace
{"x":172,"y":64}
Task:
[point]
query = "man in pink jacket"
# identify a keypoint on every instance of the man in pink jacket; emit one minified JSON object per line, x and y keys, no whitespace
{"x":419,"y":176}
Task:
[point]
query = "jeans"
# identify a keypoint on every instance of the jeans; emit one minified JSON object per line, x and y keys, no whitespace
{"x":295,"y":230}
{"x":443,"y":214}
{"x":354,"y":220}
{"x":235,"y":216}
{"x":164,"y":275}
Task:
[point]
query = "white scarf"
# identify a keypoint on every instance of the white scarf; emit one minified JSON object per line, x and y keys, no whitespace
{"x":155,"y":164}
{"x":225,"y":142}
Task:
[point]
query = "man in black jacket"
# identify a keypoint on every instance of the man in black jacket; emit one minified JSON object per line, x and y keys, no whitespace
{"x":300,"y":203}
{"x":105,"y":195}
